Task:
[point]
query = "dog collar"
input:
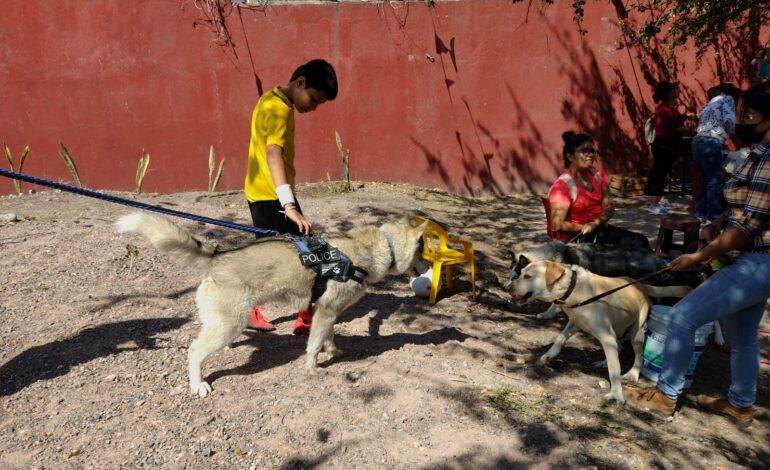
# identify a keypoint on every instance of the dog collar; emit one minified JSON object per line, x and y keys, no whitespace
{"x":391,"y":247}
{"x":572,"y":284}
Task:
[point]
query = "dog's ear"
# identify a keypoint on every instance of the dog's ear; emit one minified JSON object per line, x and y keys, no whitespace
{"x":523,"y":261}
{"x":513,"y":258}
{"x":553,"y":272}
{"x":420,"y":229}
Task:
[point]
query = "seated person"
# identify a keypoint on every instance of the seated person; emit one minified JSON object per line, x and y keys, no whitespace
{"x":581,"y":201}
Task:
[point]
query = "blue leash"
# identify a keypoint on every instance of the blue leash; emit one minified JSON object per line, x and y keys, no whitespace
{"x":127,"y":202}
{"x":579,"y":234}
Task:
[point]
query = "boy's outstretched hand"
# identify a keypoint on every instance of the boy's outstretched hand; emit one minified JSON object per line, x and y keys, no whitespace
{"x":304,"y":225}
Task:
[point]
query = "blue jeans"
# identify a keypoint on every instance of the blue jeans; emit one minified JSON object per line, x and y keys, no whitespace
{"x":764,"y":69}
{"x":707,"y":154}
{"x":736,"y":296}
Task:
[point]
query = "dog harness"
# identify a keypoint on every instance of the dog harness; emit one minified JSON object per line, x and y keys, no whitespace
{"x":327,"y":261}
{"x":572,"y":283}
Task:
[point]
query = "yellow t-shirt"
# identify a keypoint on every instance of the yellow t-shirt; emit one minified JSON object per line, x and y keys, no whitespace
{"x":271,"y":123}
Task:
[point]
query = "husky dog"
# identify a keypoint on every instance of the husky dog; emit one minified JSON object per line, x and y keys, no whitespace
{"x":606,"y":319}
{"x":270,"y":271}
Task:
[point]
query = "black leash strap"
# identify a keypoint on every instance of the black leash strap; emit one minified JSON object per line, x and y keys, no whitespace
{"x":130,"y":203}
{"x":612,"y":291}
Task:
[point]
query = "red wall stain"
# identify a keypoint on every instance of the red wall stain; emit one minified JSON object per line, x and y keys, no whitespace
{"x":468,"y":96}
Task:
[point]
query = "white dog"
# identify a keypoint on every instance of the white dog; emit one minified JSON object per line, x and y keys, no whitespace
{"x":605,"y":319}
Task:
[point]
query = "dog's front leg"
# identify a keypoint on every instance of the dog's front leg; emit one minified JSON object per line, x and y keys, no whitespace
{"x":321,"y":330}
{"x":610,"y":346}
{"x":565,"y":334}
{"x":552,"y":311}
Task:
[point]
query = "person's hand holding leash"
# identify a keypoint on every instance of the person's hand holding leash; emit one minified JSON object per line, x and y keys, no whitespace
{"x":730,"y":239}
{"x":305,"y":227}
{"x":684,"y":261}
{"x":589,"y":227}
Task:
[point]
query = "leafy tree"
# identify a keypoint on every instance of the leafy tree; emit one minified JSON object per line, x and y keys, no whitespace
{"x":675,"y":22}
{"x":707,"y":23}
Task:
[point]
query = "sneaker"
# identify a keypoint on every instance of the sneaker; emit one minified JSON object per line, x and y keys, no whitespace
{"x":257,"y":322}
{"x":304,"y":321}
{"x":719,"y":405}
{"x":657,"y":209}
{"x":651,"y":399}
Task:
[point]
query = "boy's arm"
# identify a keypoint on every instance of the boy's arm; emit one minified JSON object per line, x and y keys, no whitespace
{"x":278,"y":173}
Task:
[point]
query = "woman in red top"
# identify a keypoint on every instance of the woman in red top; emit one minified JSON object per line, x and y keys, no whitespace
{"x":669,"y":128}
{"x":581,"y":202}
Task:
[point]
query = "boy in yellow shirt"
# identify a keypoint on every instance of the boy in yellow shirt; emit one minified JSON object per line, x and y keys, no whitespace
{"x":270,"y":172}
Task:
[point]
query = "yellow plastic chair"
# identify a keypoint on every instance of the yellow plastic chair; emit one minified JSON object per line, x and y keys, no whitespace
{"x":439,"y":253}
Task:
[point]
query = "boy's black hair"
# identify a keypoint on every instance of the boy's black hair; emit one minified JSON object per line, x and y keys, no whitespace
{"x":758,"y":98}
{"x":571,"y":142}
{"x":319,"y":75}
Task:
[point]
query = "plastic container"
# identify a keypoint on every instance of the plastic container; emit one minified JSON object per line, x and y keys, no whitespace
{"x":655,"y":339}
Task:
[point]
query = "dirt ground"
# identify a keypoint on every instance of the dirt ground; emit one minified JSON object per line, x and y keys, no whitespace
{"x":94,"y":346}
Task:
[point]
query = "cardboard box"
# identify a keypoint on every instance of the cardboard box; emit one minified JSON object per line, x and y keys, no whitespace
{"x":622,"y":185}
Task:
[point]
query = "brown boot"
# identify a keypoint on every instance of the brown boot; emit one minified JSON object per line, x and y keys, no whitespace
{"x":652,"y":400}
{"x":720,"y":405}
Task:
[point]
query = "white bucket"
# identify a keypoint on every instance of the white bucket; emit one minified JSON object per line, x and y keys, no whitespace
{"x":655,"y":339}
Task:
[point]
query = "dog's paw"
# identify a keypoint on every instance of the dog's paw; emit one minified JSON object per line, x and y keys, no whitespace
{"x":543,"y":360}
{"x":630,"y":376}
{"x":616,"y":397}
{"x":315,"y":371}
{"x":601,"y":364}
{"x":201,"y":389}
{"x":334,"y":351}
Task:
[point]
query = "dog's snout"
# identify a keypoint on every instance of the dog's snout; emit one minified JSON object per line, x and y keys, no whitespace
{"x":514,"y":275}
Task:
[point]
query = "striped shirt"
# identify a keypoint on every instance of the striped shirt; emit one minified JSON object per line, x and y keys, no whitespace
{"x":748,"y":197}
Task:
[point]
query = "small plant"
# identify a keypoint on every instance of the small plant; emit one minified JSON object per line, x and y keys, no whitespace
{"x":132,"y":254}
{"x":331,"y":185}
{"x":16,"y":183}
{"x":214,"y":180}
{"x":65,"y":155}
{"x":504,"y":399}
{"x":345,"y":157}
{"x":141,"y":170}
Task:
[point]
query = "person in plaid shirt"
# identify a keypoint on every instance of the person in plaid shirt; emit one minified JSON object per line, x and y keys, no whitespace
{"x":737,"y":294}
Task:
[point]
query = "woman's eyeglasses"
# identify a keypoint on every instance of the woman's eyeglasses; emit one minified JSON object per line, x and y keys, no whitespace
{"x":590,"y":152}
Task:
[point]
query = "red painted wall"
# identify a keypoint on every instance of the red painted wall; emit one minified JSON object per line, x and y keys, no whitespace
{"x":470,"y":95}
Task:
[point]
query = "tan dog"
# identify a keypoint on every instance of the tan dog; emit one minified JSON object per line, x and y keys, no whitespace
{"x":606,"y":319}
{"x":269,"y":271}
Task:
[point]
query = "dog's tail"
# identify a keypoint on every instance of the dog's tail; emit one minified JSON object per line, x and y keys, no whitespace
{"x":666,"y":291}
{"x":167,"y":237}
